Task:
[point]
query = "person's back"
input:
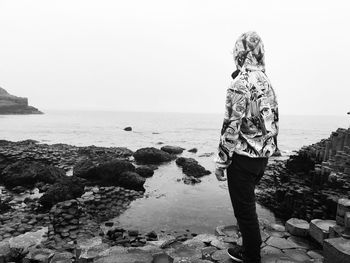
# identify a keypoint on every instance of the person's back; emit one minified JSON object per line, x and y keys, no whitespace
{"x":247,"y":138}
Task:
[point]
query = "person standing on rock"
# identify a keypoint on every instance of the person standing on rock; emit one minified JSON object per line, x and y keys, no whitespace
{"x":247,"y":140}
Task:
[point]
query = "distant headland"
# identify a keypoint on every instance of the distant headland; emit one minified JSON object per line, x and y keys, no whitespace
{"x":10,"y":104}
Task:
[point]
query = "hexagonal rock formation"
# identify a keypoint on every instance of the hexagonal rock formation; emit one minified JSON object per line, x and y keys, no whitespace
{"x":298,"y":227}
{"x":319,"y":229}
{"x":336,"y":250}
{"x":342,"y":208}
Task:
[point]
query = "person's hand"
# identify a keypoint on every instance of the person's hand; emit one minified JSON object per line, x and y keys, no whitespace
{"x":220,"y":174}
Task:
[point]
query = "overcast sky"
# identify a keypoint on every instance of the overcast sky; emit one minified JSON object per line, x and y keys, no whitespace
{"x":171,"y":55}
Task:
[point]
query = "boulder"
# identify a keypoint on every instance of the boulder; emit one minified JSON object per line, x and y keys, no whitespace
{"x":145,"y":171}
{"x":131,"y":180}
{"x":66,"y":189}
{"x":191,"y":167}
{"x":319,"y":229}
{"x":297,"y":227}
{"x":193,"y":150}
{"x":128,"y":128}
{"x":172,"y":149}
{"x":104,"y":173}
{"x":27,"y":173}
{"x":151,"y":155}
{"x":85,"y":168}
{"x":109,"y":172}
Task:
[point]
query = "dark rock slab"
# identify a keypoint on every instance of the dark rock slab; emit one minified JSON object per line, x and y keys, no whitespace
{"x":151,"y":155}
{"x":145,"y":171}
{"x":191,"y":167}
{"x":172,"y":149}
{"x":27,"y":173}
{"x":66,"y":189}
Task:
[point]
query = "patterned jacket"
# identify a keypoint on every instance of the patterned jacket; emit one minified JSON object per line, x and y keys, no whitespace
{"x":251,"y":115}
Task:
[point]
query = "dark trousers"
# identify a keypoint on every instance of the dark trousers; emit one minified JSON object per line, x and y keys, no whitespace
{"x":242,"y":176}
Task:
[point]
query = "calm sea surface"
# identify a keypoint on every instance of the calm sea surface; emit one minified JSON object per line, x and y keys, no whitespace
{"x":167,"y":204}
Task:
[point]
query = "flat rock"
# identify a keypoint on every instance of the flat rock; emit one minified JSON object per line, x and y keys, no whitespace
{"x":298,"y":227}
{"x":268,"y":250}
{"x":220,"y":255}
{"x":140,"y":257}
{"x":336,"y":250}
{"x":230,"y":231}
{"x":281,"y":243}
{"x":28,"y":239}
{"x":315,"y":254}
{"x":298,"y":255}
{"x":301,"y":242}
{"x":319,"y":229}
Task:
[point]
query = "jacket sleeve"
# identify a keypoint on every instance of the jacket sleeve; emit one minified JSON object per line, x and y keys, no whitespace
{"x":235,"y":108}
{"x":275,"y":113}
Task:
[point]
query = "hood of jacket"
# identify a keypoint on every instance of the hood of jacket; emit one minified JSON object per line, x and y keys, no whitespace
{"x":248,"y":52}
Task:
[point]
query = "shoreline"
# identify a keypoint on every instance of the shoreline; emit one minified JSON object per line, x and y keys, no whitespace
{"x":86,"y":215}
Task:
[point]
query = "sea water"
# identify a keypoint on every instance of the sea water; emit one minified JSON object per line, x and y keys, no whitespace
{"x":168,"y":203}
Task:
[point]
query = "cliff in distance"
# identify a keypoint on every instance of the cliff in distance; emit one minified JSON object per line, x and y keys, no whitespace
{"x":10,"y":104}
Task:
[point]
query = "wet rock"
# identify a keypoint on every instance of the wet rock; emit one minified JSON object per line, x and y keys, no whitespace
{"x":24,"y":173}
{"x":191,"y":167}
{"x":193,"y":150}
{"x":109,"y":172}
{"x":319,"y":229}
{"x":128,"y":128}
{"x":66,"y":189}
{"x":298,"y":227}
{"x":172,"y":149}
{"x":85,"y":168}
{"x":144,"y":171}
{"x":106,"y":172}
{"x":131,"y":180}
{"x":151,"y":155}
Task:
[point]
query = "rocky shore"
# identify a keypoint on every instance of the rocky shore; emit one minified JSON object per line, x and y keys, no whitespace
{"x":57,"y":202}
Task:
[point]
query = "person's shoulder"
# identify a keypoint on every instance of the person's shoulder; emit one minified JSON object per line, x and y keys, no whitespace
{"x":239,"y":85}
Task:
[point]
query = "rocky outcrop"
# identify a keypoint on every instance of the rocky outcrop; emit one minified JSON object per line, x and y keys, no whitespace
{"x":115,"y":172}
{"x":24,"y":173}
{"x":151,"y":155}
{"x":309,"y":184}
{"x":191,"y":167}
{"x":172,"y":149}
{"x":65,"y":189}
{"x":10,"y":104}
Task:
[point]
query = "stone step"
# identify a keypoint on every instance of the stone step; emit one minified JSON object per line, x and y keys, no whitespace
{"x":336,"y":250}
{"x":319,"y":229}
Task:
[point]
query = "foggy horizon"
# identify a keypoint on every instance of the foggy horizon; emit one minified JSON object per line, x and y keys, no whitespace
{"x":164,"y":56}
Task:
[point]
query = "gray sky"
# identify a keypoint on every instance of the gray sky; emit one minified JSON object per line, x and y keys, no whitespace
{"x":160,"y":55}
